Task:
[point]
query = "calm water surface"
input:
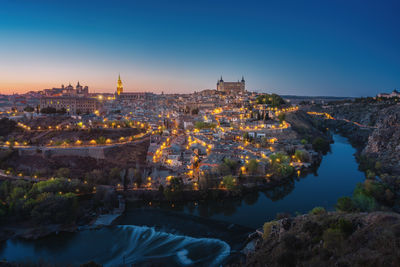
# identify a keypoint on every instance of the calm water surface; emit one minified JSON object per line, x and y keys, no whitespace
{"x":200,"y":233}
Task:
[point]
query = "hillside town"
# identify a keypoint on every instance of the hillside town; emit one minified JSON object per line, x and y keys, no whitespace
{"x":224,"y":138}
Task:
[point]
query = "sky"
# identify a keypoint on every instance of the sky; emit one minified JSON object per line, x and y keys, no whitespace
{"x":330,"y":48}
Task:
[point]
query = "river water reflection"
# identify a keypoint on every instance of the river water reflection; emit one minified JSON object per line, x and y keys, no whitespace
{"x":337,"y":176}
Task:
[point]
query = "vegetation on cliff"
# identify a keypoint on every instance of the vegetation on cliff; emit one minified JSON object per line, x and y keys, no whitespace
{"x":330,"y":239}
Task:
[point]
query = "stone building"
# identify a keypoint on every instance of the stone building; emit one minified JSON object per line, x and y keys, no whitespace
{"x":72,"y":104}
{"x":231,"y":87}
{"x":79,"y":90}
{"x":395,"y":93}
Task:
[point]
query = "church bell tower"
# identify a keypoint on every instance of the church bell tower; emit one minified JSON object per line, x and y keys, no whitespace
{"x":120,"y":88}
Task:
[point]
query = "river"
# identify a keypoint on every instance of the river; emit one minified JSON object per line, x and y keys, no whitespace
{"x":194,"y":233}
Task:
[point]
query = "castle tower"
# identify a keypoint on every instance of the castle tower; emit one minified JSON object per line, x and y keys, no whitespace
{"x":120,"y":88}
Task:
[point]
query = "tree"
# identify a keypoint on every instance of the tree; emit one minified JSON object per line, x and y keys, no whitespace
{"x":252,"y":166}
{"x":264,"y":141}
{"x":101,"y":140}
{"x":345,"y":204}
{"x":228,"y":166}
{"x":318,"y":211}
{"x":204,"y":125}
{"x":302,"y":155}
{"x":364,"y":203}
{"x":320,"y":145}
{"x":272,"y":100}
{"x":224,"y":169}
{"x":96,"y":177}
{"x":246,"y":136}
{"x":229,"y":182}
{"x":281,"y":117}
{"x":174,"y":189}
{"x":55,"y":208}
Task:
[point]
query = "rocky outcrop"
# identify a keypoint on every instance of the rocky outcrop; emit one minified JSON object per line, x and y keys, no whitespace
{"x":357,"y":136}
{"x":384,"y":142}
{"x":306,"y":126}
{"x":332,"y":239}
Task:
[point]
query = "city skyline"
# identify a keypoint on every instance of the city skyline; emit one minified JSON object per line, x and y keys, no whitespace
{"x":344,"y":49}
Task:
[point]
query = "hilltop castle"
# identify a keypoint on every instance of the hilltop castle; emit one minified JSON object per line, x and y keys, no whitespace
{"x":231,"y":87}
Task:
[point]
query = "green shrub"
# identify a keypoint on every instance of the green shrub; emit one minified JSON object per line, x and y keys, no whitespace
{"x":346,"y":227}
{"x":313,"y":228}
{"x":272,"y":100}
{"x":101,"y":140}
{"x":204,"y":125}
{"x":302,"y":155}
{"x":252,"y":166}
{"x":370,"y":174}
{"x":374,"y":189}
{"x":281,"y":117}
{"x":279,"y":158}
{"x":345,"y":204}
{"x":267,"y":227}
{"x":284,"y":170}
{"x":365,"y":203}
{"x":320,"y":145}
{"x":318,"y":211}
{"x":333,"y":238}
{"x":230,"y":182}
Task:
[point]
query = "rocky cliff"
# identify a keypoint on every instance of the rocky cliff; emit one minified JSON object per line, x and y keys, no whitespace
{"x":379,"y":139}
{"x":333,"y":239}
{"x":384,"y":142}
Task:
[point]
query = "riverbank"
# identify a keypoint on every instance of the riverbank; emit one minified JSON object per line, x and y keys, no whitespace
{"x":245,"y":185}
{"x":27,"y":231}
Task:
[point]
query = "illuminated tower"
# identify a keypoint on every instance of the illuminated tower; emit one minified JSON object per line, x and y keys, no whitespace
{"x":120,"y":88}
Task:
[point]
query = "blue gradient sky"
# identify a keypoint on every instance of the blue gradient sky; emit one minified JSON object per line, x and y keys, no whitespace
{"x":341,"y":48}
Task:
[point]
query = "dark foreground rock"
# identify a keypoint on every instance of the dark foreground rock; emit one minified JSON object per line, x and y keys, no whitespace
{"x":330,"y":239}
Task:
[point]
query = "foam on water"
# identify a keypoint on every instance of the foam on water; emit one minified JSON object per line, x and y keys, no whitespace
{"x":144,"y":243}
{"x":182,"y":256}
